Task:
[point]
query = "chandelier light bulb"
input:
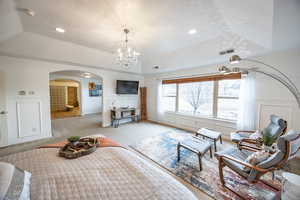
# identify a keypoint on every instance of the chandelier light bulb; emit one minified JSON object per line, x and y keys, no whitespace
{"x":235,"y":70}
{"x":235,"y":59}
{"x":127,"y":55}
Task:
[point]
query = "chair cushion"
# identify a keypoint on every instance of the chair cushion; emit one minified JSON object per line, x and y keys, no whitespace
{"x":256,"y":158}
{"x":240,"y":155}
{"x":294,"y":138}
{"x":196,"y":144}
{"x":236,"y":137}
{"x":276,"y":127}
{"x":272,"y":160}
{"x":257,"y":134}
{"x":238,"y":168}
{"x":209,"y":133}
{"x":277,"y":121}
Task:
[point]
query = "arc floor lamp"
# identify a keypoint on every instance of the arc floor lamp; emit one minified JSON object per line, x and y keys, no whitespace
{"x":278,"y":75}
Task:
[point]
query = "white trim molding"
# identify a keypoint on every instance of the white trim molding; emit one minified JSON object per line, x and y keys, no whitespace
{"x":38,"y":130}
{"x":266,"y":109}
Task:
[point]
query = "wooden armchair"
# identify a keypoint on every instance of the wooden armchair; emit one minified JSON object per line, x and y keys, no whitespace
{"x":277,"y":127}
{"x":288,"y":146}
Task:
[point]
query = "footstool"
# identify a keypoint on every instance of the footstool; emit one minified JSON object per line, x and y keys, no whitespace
{"x":210,"y":134}
{"x":195,"y":145}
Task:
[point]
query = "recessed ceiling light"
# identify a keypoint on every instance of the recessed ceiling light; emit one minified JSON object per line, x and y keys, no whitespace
{"x":87,"y":75}
{"x":60,"y":30}
{"x":192,"y":31}
{"x":27,"y":11}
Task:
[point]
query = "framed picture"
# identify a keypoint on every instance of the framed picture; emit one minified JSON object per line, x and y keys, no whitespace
{"x":98,"y":87}
{"x":94,"y":93}
{"x":95,"y":90}
{"x":92,"y":86}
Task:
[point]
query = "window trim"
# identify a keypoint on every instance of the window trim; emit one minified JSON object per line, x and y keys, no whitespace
{"x":173,"y":96}
{"x":216,"y":96}
{"x":202,"y":117}
{"x":203,"y":78}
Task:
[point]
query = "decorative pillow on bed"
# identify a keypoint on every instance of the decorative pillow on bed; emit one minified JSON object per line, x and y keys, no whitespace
{"x":257,"y":134}
{"x":256,"y":158}
{"x":14,"y":182}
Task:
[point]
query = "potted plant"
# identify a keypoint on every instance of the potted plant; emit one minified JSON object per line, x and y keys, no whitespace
{"x":267,"y":140}
{"x":74,"y":140}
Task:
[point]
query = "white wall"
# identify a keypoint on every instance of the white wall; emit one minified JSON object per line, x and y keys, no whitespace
{"x":272,"y":97}
{"x":9,"y":20}
{"x":41,"y":47}
{"x":89,"y":104}
{"x":31,"y":75}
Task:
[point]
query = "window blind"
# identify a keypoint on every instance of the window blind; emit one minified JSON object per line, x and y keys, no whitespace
{"x":203,"y":78}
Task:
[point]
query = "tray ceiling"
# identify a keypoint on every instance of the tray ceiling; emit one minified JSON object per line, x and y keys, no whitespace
{"x":158,"y":28}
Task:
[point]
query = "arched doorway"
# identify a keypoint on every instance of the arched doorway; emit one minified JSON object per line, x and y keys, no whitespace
{"x":65,"y":98}
{"x":78,"y":113}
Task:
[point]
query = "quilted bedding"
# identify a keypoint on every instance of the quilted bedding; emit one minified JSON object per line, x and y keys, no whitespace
{"x":110,"y":173}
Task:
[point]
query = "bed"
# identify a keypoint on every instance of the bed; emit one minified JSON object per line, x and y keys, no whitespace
{"x":110,"y":173}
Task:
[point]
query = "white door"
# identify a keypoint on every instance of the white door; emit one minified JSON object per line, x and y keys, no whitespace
{"x":3,"y":112}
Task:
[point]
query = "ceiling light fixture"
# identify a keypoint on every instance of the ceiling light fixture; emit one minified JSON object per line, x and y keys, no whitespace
{"x":235,"y":59}
{"x":127,"y":56}
{"x":27,"y":11}
{"x":87,"y":75}
{"x":228,"y":51}
{"x":60,"y":30}
{"x":192,"y":31}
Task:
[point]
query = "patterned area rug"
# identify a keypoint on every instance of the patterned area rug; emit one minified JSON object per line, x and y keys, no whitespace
{"x":162,"y":150}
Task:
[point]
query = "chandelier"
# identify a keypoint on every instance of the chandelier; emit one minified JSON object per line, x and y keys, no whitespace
{"x":127,"y":56}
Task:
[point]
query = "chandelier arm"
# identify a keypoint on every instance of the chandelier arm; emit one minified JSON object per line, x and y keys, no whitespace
{"x":277,"y":70}
{"x":129,"y":55}
{"x":295,"y":93}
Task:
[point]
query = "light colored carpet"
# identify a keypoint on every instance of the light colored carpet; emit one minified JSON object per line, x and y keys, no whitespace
{"x":88,"y":125}
{"x":126,"y":134}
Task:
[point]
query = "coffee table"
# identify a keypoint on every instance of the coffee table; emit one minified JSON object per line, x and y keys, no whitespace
{"x":210,"y":134}
{"x":195,"y":145}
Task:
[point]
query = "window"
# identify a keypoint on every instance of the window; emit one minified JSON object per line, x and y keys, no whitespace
{"x":211,"y":97}
{"x":169,"y":97}
{"x":196,"y":98}
{"x":228,"y":99}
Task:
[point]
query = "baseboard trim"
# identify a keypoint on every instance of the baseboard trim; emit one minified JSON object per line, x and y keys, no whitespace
{"x":185,"y":129}
{"x":42,"y":139}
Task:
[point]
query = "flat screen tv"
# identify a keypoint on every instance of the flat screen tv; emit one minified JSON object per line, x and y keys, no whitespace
{"x":127,"y":87}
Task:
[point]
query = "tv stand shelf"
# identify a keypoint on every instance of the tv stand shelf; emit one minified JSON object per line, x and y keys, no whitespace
{"x":123,"y":113}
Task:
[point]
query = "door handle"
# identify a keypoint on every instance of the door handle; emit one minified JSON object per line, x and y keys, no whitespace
{"x":3,"y":112}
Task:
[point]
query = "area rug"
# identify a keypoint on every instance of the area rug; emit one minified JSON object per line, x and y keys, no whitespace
{"x":162,"y":150}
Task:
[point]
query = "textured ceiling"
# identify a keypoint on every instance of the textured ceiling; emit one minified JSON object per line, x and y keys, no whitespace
{"x":74,"y":73}
{"x":159,"y":29}
{"x":157,"y":26}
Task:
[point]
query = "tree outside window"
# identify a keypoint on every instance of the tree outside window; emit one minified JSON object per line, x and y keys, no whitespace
{"x":218,"y":99}
{"x":196,"y":98}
